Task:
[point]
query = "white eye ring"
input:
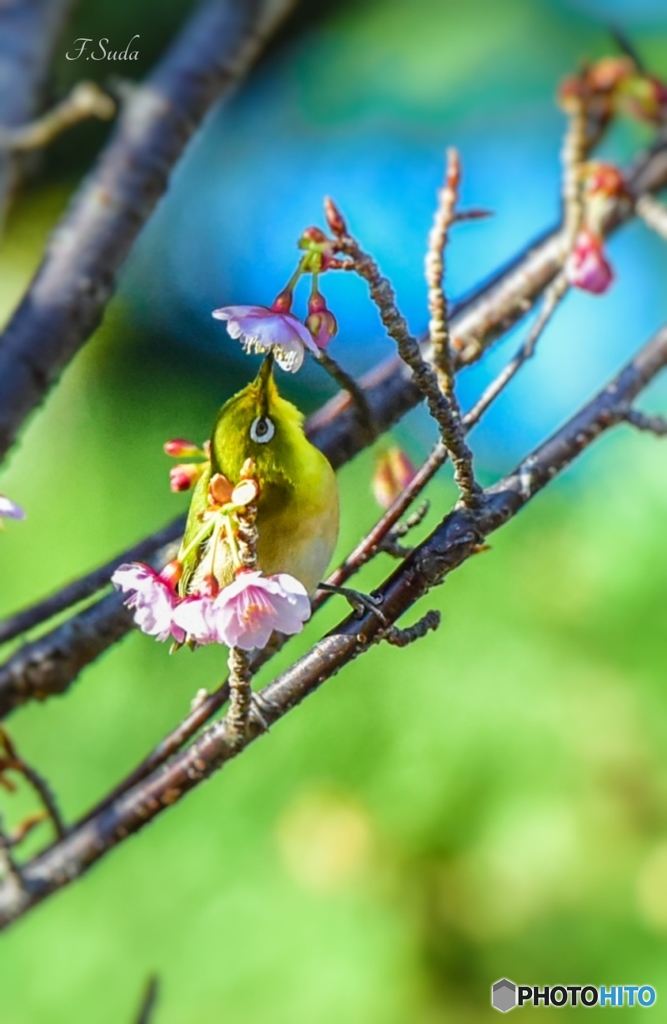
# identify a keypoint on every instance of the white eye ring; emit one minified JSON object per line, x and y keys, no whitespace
{"x":262,"y":429}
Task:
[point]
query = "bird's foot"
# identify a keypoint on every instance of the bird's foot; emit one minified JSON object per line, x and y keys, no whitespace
{"x":263,"y":710}
{"x":361,"y":603}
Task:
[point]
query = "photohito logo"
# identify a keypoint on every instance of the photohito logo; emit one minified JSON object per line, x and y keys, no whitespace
{"x":505,"y":995}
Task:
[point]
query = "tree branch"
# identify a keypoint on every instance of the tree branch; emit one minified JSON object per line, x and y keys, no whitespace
{"x":85,"y":586}
{"x":67,"y":297}
{"x":48,"y":665}
{"x":456,"y":538}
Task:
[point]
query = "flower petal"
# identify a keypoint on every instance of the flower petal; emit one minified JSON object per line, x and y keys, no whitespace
{"x":9,"y":509}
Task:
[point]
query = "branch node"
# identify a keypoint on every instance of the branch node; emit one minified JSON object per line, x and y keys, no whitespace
{"x":643,"y":421}
{"x":403,"y":637}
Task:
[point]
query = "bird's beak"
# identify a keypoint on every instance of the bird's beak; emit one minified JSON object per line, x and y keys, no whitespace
{"x":265,"y":373}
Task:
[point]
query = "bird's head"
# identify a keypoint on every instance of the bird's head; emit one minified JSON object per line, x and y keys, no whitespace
{"x":258,"y":424}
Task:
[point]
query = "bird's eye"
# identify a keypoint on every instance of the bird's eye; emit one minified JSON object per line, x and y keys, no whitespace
{"x":262,"y":429}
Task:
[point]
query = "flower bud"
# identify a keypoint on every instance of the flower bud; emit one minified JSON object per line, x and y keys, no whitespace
{"x":608,"y":72}
{"x":179,"y":448}
{"x":586,"y":267}
{"x":334,"y":218}
{"x":644,"y":97}
{"x":209,"y":586}
{"x":601,"y":177}
{"x":393,"y":473}
{"x":320,"y":321}
{"x":283,"y":301}
{"x":172,"y":573}
{"x":185,"y":475}
{"x":323,"y":327}
{"x":312,"y":235}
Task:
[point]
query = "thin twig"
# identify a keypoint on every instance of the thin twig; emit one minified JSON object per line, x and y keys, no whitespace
{"x":240,"y":692}
{"x":438,"y":328}
{"x":357,"y":394}
{"x":573,"y":155}
{"x":404,"y":637}
{"x":456,"y":538}
{"x":14,"y":762}
{"x":148,"y":1000}
{"x":238,"y":662}
{"x":11,"y":873}
{"x":85,"y":100}
{"x":438,"y":403}
{"x":643,"y":421}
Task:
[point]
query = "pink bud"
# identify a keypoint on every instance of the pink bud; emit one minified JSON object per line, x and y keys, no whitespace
{"x":586,"y":266}
{"x":604,"y":178}
{"x":185,"y":476}
{"x":283,"y":301}
{"x":179,"y":448}
{"x":209,"y":586}
{"x":323,"y":327}
{"x":314,"y":235}
{"x":172,"y":573}
{"x":334,"y":218}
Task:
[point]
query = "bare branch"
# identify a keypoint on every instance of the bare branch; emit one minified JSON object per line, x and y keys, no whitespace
{"x":11,"y":873}
{"x":357,"y":394}
{"x":66,"y":299}
{"x":438,"y":402}
{"x":14,"y":762}
{"x":89,"y":584}
{"x":642,"y":421}
{"x":49,"y":665}
{"x":85,"y":100}
{"x":148,"y":1001}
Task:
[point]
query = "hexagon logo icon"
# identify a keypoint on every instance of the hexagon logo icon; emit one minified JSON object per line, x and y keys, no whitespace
{"x":503,"y":995}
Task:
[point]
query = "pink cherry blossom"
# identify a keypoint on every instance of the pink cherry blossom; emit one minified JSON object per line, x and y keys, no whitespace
{"x":195,"y":617}
{"x":586,"y":267}
{"x":152,"y":599}
{"x":250,"y":608}
{"x":260,"y":329}
{"x":9,"y":509}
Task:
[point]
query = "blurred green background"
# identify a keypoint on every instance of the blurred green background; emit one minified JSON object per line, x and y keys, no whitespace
{"x":488,"y":803}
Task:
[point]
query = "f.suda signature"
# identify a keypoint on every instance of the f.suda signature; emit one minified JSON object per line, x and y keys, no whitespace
{"x":100,"y":50}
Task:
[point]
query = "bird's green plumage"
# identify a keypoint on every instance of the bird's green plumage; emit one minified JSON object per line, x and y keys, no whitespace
{"x":297,"y":509}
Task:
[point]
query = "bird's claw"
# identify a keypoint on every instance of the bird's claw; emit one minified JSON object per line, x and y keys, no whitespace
{"x":262,"y":710}
{"x":360,"y":603}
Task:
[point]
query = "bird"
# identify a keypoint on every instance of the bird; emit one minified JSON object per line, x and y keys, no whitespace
{"x":297,"y":506}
